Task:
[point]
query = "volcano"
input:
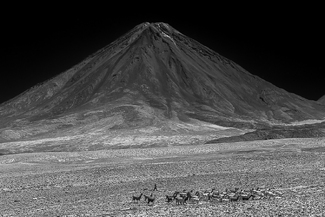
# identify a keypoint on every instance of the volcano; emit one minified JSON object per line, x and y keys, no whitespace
{"x":153,"y":86}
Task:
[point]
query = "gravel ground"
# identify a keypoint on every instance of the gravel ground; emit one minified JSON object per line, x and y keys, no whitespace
{"x":102,"y":183}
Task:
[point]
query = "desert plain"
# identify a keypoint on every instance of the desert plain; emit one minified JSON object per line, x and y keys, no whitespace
{"x":102,"y":182}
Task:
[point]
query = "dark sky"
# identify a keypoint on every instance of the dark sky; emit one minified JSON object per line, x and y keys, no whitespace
{"x":284,"y":47}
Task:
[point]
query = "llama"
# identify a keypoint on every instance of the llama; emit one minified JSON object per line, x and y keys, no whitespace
{"x":150,"y":199}
{"x":215,"y":195}
{"x":155,"y":188}
{"x":136,"y":199}
{"x":176,"y":193}
{"x":194,"y":198}
{"x":169,"y":198}
{"x":234,"y":198}
{"x":180,"y":200}
{"x":246,"y":196}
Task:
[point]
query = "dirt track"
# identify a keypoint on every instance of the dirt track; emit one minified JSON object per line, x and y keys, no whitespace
{"x":101,"y":183}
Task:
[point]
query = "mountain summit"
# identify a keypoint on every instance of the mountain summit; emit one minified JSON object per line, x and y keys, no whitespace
{"x":153,"y":85}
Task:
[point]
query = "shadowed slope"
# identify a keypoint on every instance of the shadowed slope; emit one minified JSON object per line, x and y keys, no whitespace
{"x":151,"y":80}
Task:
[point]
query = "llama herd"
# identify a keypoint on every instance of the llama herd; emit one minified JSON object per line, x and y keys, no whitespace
{"x":228,"y":195}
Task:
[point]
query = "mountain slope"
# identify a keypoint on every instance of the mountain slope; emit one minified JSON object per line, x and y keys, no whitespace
{"x":151,"y":81}
{"x":322,"y":100}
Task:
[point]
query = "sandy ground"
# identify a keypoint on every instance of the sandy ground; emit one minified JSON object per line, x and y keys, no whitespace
{"x":102,"y":183}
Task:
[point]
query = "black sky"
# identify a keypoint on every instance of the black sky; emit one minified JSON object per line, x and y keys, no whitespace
{"x":284,"y":47}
